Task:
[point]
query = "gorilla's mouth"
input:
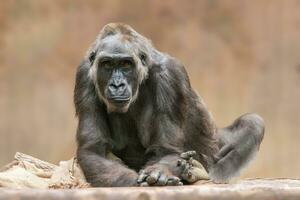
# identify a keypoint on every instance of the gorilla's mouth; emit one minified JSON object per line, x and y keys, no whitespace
{"x":119,"y":100}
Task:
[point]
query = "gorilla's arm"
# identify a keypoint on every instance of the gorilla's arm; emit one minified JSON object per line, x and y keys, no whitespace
{"x":92,"y":157}
{"x":163,"y":154}
{"x":92,"y":136}
{"x":170,"y":84}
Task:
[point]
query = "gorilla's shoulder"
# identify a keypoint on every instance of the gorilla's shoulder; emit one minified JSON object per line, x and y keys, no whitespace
{"x":170,"y":83}
{"x":172,"y":72}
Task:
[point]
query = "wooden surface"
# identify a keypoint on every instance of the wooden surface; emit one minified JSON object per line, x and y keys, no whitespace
{"x":267,"y":189}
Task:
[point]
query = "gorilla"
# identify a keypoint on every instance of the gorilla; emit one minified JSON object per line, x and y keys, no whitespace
{"x":140,"y":123}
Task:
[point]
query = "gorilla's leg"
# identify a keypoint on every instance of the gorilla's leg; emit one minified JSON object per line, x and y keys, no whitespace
{"x":238,"y":144}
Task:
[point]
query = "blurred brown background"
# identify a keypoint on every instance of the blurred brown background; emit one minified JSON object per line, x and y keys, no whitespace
{"x":242,"y":56}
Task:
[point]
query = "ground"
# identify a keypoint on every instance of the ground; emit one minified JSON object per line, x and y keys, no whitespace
{"x":267,"y":189}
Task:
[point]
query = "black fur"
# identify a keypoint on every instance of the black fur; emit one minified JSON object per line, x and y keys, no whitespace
{"x":165,"y":117}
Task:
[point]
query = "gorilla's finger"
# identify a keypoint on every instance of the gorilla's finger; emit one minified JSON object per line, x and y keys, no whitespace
{"x":224,"y":150}
{"x":183,"y":165}
{"x":181,"y":162}
{"x":142,"y":176}
{"x":144,"y":184}
{"x":173,"y":181}
{"x":179,"y":183}
{"x":188,"y":154}
{"x":186,"y":173}
{"x":153,"y":177}
{"x":162,"y":180}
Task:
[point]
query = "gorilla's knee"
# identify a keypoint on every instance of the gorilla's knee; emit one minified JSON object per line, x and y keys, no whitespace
{"x":254,"y":123}
{"x":239,"y":143}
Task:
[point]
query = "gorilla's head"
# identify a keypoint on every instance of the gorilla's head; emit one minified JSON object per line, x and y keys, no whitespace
{"x":119,"y":64}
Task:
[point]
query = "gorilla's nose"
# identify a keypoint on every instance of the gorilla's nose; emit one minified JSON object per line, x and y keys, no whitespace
{"x":117,"y":88}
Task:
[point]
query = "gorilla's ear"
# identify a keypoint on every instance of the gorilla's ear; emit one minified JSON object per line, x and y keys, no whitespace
{"x":92,"y":57}
{"x":143,"y":58}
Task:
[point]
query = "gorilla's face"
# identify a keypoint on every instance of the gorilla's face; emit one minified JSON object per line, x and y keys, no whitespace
{"x":117,"y":73}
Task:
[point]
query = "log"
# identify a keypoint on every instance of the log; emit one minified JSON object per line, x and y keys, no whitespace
{"x":29,"y":172}
{"x":36,"y":166}
{"x":39,"y":164}
{"x":37,"y":179}
{"x":266,"y":189}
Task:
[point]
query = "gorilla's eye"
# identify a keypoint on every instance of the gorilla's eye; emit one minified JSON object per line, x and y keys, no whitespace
{"x":127,"y":65}
{"x":106,"y":64}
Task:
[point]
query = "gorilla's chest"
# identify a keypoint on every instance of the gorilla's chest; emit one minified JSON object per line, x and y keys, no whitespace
{"x":126,"y":143}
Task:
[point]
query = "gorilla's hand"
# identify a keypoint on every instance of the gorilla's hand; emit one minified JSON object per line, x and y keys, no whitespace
{"x":191,"y":169}
{"x":157,"y":175}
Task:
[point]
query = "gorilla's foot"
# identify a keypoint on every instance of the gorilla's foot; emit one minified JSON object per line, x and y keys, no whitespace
{"x":191,"y":169}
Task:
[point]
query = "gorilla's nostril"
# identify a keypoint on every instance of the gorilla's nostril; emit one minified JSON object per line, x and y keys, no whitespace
{"x":122,"y":85}
{"x":113,"y":87}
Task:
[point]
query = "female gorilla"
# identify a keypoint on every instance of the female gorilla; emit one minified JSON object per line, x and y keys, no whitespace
{"x":138,"y":115}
